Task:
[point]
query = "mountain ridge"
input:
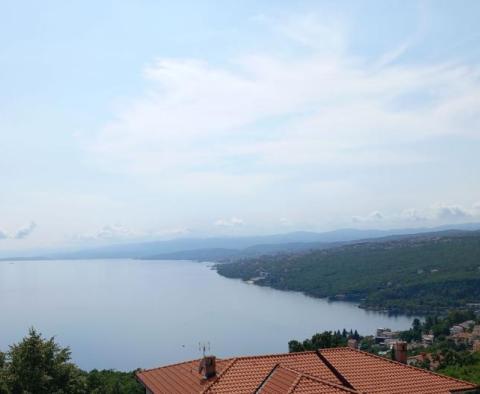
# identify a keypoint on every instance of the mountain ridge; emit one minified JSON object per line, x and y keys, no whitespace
{"x":234,"y":245}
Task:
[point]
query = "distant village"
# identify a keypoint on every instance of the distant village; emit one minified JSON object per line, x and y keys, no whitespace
{"x":465,"y":335}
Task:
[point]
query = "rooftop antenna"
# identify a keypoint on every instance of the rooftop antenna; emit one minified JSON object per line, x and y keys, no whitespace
{"x":203,"y":347}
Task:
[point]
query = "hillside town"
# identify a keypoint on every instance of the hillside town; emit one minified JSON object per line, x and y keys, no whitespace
{"x":464,"y":335}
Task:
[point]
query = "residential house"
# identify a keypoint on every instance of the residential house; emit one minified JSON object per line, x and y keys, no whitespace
{"x":326,"y":371}
{"x":386,"y":336}
{"x":467,"y":325}
{"x":463,"y":337}
{"x":456,"y":329}
{"x":427,"y":339}
{"x":422,"y":359}
{"x":476,"y":331}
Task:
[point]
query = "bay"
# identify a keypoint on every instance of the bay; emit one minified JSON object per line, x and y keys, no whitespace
{"x":127,"y":314}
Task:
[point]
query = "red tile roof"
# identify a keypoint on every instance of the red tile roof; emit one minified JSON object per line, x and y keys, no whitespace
{"x":373,"y":374}
{"x":285,"y":380}
{"x":246,"y":374}
{"x":337,"y":370}
{"x":178,"y":378}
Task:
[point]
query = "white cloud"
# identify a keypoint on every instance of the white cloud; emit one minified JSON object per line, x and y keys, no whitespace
{"x":436,"y":214}
{"x":323,"y":110}
{"x":232,"y":222}
{"x":170,"y":233}
{"x":451,"y":212}
{"x":25,"y":231}
{"x":244,"y":129}
{"x":374,"y":216}
{"x":412,"y":214}
{"x":309,"y":31}
{"x":21,"y":233}
{"x":114,"y":232}
{"x":119,"y":232}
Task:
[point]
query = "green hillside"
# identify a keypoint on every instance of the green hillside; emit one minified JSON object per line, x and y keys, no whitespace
{"x":417,"y":274}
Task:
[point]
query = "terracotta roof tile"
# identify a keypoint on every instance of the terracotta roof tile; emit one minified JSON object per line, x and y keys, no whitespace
{"x":307,"y":385}
{"x":178,"y":378}
{"x":285,"y":380}
{"x":247,"y":373}
{"x":280,"y":380}
{"x":373,"y":374}
{"x":337,"y":370}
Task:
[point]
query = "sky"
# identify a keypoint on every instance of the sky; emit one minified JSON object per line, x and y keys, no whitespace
{"x":130,"y":120}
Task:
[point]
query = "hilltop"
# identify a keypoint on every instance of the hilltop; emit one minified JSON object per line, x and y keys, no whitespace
{"x":417,"y":274}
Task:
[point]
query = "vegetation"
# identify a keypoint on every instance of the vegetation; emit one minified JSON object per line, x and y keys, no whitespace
{"x":466,"y":371}
{"x":418,"y":275}
{"x":40,"y":366}
{"x":112,"y":382}
{"x":452,"y":359}
{"x":439,"y":326}
{"x":323,"y":340}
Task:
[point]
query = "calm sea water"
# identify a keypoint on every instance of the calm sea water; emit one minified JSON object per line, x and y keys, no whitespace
{"x":125,"y":314}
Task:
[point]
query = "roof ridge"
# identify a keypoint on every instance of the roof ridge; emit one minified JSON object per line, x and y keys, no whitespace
{"x":275,"y":355}
{"x":334,"y":370}
{"x":319,"y":380}
{"x":401,"y":364}
{"x":209,"y":386}
{"x":295,"y":383}
{"x":168,"y":366}
{"x":264,"y":381}
{"x":180,"y":363}
{"x":232,"y":358}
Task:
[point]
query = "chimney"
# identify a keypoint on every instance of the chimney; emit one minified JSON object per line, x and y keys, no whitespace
{"x":399,"y":350}
{"x":353,"y":343}
{"x":207,"y":367}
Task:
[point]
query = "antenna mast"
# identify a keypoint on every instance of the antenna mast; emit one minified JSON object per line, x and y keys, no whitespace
{"x":203,"y":347}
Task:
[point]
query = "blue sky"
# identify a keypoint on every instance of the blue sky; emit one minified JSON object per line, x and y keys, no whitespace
{"x":124,"y":120}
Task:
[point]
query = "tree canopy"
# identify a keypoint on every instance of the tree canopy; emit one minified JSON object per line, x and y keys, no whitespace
{"x":40,"y":366}
{"x":37,"y":365}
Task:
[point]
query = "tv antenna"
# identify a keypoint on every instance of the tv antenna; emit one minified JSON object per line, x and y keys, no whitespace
{"x":203,"y":347}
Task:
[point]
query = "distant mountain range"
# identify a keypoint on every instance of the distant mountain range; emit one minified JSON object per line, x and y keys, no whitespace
{"x":231,"y":248}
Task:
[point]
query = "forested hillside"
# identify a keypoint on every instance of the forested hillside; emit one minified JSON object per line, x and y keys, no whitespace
{"x":417,"y":274}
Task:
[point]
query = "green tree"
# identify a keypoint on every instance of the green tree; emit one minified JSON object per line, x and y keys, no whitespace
{"x":295,"y":346}
{"x":113,"y":382}
{"x":40,"y":366}
{"x":3,"y":377}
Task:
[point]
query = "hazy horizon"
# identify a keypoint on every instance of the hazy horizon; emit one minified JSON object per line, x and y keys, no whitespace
{"x":124,"y":121}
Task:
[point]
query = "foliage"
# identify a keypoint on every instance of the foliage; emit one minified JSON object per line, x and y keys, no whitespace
{"x":113,"y":382}
{"x":323,"y":340}
{"x":467,"y":371}
{"x":40,"y":366}
{"x":37,"y":365}
{"x":414,"y":334}
{"x":418,"y":275}
{"x":455,"y":359}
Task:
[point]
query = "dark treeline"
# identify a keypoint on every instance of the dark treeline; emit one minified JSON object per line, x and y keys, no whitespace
{"x":324,"y":340}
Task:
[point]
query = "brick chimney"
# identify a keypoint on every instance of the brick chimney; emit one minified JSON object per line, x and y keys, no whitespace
{"x":353,"y":343}
{"x":207,"y":367}
{"x":399,"y":350}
